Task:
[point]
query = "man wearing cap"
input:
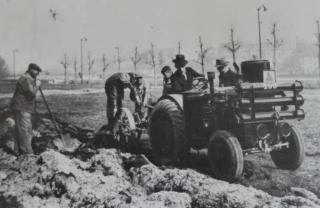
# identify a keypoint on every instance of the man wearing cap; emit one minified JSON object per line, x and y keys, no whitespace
{"x":142,"y":95}
{"x":22,"y":105}
{"x":227,"y":77}
{"x":182,"y":78}
{"x":167,"y":73}
{"x":114,"y":89}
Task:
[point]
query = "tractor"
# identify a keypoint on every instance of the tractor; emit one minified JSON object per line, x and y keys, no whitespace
{"x":231,"y":122}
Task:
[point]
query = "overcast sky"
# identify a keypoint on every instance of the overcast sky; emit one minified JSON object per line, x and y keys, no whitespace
{"x":27,"y":25}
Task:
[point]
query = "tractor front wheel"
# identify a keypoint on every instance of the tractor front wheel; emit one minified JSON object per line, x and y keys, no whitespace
{"x":290,"y":158}
{"x":225,"y":156}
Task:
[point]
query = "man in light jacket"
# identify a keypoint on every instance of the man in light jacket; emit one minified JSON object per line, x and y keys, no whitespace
{"x":22,"y":105}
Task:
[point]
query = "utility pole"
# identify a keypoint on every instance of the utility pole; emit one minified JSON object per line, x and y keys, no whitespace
{"x":85,"y":39}
{"x":14,"y":64}
{"x":259,"y":23}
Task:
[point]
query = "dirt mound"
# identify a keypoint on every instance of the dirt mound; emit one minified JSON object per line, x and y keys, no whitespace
{"x":113,"y":179}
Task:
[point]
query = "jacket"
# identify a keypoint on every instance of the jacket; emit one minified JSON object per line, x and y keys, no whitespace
{"x":179,"y":83}
{"x":115,"y":89}
{"x":24,"y":98}
{"x":228,"y":78}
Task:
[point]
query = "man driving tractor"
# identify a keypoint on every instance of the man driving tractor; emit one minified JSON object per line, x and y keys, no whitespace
{"x":182,"y":78}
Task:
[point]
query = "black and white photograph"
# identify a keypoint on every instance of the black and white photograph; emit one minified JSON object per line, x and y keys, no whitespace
{"x":159,"y":103}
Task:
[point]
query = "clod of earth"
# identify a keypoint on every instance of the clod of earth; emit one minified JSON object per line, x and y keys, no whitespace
{"x":113,"y":179}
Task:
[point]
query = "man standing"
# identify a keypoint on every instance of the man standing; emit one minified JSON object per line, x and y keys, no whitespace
{"x":22,"y":105}
{"x":114,"y":89}
{"x":182,"y":78}
{"x":142,"y":94}
{"x":167,"y":73}
{"x":227,"y":77}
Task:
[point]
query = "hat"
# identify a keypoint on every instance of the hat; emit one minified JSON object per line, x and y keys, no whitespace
{"x":221,"y":62}
{"x":165,"y":69}
{"x":35,"y":67}
{"x":180,"y":58}
{"x":138,"y":76}
{"x":124,"y":78}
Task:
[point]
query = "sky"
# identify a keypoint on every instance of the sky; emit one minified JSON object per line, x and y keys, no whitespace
{"x":29,"y":27}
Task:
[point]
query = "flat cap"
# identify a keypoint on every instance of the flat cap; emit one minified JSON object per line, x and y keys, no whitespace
{"x":124,"y":78}
{"x":165,"y":68}
{"x":35,"y":66}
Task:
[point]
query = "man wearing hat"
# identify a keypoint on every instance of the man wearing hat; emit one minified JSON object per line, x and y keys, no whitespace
{"x":114,"y":88}
{"x":182,"y":78}
{"x":22,"y":105}
{"x":227,"y":77}
{"x":141,"y":88}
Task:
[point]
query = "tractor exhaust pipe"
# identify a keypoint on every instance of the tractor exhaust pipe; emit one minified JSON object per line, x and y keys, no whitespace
{"x":211,"y":76}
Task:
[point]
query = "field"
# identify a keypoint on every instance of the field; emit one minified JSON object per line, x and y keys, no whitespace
{"x":88,"y":110}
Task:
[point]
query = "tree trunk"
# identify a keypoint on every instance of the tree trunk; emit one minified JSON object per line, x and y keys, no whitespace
{"x":119,"y":66}
{"x":319,"y":64}
{"x":75,"y":75}
{"x":89,"y":77}
{"x":65,"y":75}
{"x":155,"y":78}
{"x":103,"y":74}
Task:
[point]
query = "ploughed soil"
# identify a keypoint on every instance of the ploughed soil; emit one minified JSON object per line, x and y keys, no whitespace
{"x":96,"y":174}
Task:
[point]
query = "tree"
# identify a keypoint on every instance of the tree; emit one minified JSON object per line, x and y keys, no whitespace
{"x":275,"y":44}
{"x":105,"y":64}
{"x":179,"y":48}
{"x":4,"y":69}
{"x":65,"y":63}
{"x":233,"y":46}
{"x":202,"y":54}
{"x":75,"y":62}
{"x":136,"y":58}
{"x":153,"y":62}
{"x":90,"y":64}
{"x":318,"y":45}
{"x":119,"y":59}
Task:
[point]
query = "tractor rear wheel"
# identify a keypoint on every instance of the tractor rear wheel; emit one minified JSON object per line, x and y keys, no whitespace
{"x":167,"y":136}
{"x":225,"y":156}
{"x":292,"y":157}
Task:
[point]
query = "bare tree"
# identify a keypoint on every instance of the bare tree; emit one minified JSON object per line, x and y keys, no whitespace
{"x":136,"y":58}
{"x":65,"y":63}
{"x":275,"y":44}
{"x":90,"y":64}
{"x":105,"y":64}
{"x":119,"y":59}
{"x":201,"y":54}
{"x":233,"y":46}
{"x":75,"y":62}
{"x":318,"y":45}
{"x":153,"y":62}
{"x":179,"y":48}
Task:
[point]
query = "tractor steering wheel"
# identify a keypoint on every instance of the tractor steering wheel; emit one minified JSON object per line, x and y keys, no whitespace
{"x":200,"y":83}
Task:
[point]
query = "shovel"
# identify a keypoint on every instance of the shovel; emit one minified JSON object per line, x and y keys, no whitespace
{"x":65,"y":139}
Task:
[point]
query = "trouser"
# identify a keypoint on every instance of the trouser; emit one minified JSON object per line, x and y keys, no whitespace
{"x":111,"y":108}
{"x":23,"y":131}
{"x":141,"y":110}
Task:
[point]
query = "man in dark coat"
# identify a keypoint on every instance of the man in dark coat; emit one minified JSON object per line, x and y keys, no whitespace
{"x":22,"y":105}
{"x":182,"y":78}
{"x":227,"y":77}
{"x":114,"y":89}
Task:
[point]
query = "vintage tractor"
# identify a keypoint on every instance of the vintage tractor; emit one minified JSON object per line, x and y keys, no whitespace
{"x":231,"y":122}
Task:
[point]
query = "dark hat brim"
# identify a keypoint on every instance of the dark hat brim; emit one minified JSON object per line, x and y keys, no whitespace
{"x":175,"y":61}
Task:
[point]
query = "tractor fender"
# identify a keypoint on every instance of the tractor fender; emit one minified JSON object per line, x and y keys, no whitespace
{"x":177,"y":98}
